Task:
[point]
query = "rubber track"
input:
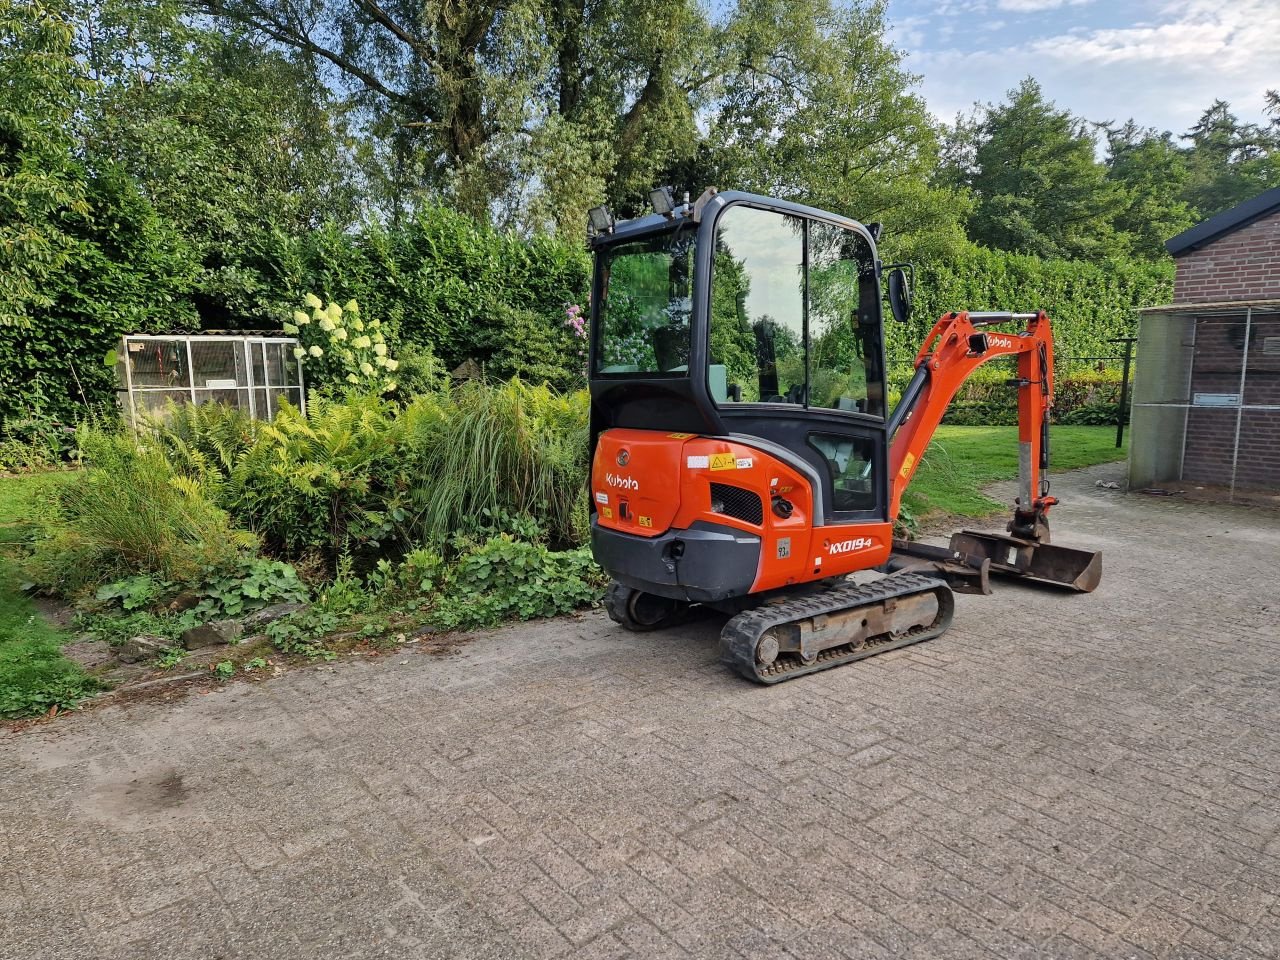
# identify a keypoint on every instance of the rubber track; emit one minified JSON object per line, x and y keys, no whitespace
{"x":740,"y":635}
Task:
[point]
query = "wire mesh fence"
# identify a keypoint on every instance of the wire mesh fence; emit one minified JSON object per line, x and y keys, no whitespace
{"x":251,"y":373}
{"x":1207,"y":401}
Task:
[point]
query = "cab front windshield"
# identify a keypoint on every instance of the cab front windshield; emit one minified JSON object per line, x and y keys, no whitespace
{"x":646,"y":301}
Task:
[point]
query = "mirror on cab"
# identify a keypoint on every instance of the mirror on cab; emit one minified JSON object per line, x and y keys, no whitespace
{"x":900,"y":293}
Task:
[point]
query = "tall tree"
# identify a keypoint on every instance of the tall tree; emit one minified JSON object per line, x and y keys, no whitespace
{"x":1229,"y":161}
{"x":1151,"y":173}
{"x":233,"y":143}
{"x":1037,"y":185}
{"x":816,"y":106}
{"x":41,"y":181}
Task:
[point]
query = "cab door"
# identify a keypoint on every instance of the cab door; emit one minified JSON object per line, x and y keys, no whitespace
{"x":795,"y":350}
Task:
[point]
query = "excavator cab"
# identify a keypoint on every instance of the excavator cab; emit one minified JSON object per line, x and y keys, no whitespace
{"x":742,"y":446}
{"x":753,"y":318}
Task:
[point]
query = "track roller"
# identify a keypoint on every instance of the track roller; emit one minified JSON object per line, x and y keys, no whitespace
{"x":804,"y":634}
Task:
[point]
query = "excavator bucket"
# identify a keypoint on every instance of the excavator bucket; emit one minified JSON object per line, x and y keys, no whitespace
{"x":1048,"y":563}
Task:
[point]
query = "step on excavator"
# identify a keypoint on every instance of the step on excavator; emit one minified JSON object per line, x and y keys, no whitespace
{"x":744,"y":454}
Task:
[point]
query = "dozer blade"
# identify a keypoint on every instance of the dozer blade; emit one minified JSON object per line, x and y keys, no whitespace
{"x":1029,"y":560}
{"x":955,"y":569}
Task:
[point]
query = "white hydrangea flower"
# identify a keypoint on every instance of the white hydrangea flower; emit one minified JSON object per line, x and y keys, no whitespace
{"x":380,"y":349}
{"x":290,"y":329}
{"x":358,"y":323}
{"x":326,"y":325}
{"x":352,"y":306}
{"x":366,"y":368}
{"x":392,"y":364}
{"x":391,"y":385}
{"x":298,"y":353}
{"x":316,"y":351}
{"x":352,"y":378}
{"x":334,"y":311}
{"x":361,"y":343}
{"x":380,"y":361}
{"x":313,"y":301}
{"x":347,"y":356}
{"x":340,"y":333}
{"x":300,"y":318}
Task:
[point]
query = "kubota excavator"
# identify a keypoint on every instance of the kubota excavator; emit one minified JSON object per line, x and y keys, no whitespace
{"x":745,"y":457}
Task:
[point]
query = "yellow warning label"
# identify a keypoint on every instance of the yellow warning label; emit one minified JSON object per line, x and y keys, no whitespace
{"x":679,"y":436}
{"x":723,"y":461}
{"x":606,"y":512}
{"x":646,"y":521}
{"x":907,"y":461}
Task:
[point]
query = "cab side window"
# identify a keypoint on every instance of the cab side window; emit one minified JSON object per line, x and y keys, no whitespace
{"x":845,"y":361}
{"x":757,"y":349}
{"x":795,"y":314}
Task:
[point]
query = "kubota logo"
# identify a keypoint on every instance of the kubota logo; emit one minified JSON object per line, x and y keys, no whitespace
{"x":849,"y":546}
{"x":626,"y":483}
{"x":1001,"y":341}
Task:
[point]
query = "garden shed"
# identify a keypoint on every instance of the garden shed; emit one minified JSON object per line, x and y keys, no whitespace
{"x":253,"y":372}
{"x":1206,"y":406}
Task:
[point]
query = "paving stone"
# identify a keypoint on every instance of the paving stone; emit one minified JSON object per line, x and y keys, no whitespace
{"x":1057,"y":776}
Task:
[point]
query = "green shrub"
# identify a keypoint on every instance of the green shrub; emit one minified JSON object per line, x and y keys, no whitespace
{"x":509,"y":449}
{"x":132,"y":513}
{"x":1088,"y":303}
{"x":256,"y":583}
{"x":986,"y":399}
{"x":505,"y":578}
{"x":322,"y":483}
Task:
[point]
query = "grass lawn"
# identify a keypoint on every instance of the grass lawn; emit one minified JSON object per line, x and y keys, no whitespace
{"x":962,"y":460}
{"x":34,"y":675}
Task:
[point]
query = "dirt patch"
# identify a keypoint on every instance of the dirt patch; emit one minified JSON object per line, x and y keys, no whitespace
{"x":136,"y":799}
{"x":1210,"y":493}
{"x":155,"y":686}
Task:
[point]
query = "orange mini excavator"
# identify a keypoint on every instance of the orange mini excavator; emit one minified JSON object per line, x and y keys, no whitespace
{"x":744,"y":455}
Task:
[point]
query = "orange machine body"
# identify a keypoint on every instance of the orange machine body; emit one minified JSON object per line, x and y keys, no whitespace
{"x":647,"y":483}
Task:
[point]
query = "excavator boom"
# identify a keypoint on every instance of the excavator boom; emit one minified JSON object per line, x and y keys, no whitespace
{"x":957,"y":345}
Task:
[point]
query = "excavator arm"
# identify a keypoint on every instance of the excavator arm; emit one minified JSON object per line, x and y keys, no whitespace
{"x":957,"y":345}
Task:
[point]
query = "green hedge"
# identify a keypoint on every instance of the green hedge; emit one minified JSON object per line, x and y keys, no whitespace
{"x":1084,"y":398}
{"x":465,"y":291}
{"x":1089,"y":303}
{"x":439,"y":281}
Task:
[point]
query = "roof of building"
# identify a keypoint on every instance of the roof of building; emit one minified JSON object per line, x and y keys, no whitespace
{"x":1241,"y":215}
{"x":1213,"y":306}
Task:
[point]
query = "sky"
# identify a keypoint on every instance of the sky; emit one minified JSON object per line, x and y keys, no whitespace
{"x":1161,"y":62}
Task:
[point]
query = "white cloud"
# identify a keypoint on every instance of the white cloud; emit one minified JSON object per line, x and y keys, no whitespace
{"x":1036,"y":6}
{"x":1162,"y":72}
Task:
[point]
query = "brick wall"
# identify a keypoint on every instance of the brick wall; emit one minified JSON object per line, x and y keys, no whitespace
{"x":1243,"y":265}
{"x":1219,"y":349}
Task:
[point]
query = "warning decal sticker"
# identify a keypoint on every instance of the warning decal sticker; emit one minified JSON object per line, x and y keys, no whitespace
{"x":723,"y":461}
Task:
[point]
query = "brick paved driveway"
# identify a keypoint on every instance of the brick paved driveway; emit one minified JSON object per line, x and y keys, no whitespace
{"x":1058,"y":776}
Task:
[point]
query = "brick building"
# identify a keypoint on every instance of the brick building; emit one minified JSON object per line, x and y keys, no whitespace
{"x":1207,"y":386}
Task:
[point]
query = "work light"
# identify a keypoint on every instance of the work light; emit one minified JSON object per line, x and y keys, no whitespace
{"x":600,"y":219}
{"x":662,"y":200}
